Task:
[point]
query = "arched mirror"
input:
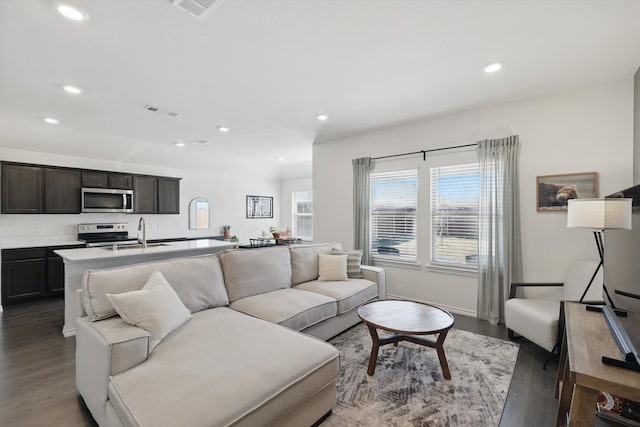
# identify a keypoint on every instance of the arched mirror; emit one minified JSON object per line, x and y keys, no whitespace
{"x":199,"y":214}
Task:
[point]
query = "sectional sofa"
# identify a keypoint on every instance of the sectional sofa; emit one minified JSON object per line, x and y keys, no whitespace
{"x":215,"y":340}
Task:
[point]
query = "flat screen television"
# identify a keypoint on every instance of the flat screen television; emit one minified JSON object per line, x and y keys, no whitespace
{"x":622,"y":275}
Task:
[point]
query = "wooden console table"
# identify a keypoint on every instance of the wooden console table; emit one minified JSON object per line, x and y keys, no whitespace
{"x":581,"y":374}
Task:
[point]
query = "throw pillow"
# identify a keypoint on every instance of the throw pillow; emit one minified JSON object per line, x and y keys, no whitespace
{"x":332,"y":267}
{"x":156,"y":308}
{"x":354,"y":258}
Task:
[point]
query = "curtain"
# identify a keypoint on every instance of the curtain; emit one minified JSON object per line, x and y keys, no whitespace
{"x":499,"y":247}
{"x":361,"y":171}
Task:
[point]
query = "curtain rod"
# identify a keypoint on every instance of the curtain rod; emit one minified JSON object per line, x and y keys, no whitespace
{"x":423,"y":152}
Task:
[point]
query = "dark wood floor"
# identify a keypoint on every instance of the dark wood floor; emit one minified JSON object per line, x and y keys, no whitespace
{"x":37,"y":372}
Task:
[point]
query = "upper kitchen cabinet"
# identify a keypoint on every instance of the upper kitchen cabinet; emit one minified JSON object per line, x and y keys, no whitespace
{"x":168,"y":195}
{"x":100,"y":179}
{"x":156,"y":194}
{"x":95,"y":179}
{"x":121,"y":181}
{"x":22,"y":189}
{"x":62,"y":190}
{"x":145,"y":194}
{"x":35,"y":189}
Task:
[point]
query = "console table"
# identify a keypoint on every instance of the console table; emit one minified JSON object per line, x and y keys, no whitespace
{"x":581,"y":373}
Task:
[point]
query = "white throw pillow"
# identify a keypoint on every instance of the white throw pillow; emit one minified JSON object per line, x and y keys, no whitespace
{"x":156,"y":308}
{"x":332,"y":267}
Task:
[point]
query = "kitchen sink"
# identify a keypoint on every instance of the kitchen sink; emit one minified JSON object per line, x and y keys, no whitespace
{"x":134,"y":246}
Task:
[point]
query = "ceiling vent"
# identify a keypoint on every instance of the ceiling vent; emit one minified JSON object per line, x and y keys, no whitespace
{"x":200,"y":141}
{"x":160,"y":110}
{"x":196,"y":8}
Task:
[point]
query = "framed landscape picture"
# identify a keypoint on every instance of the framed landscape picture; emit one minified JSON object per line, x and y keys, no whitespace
{"x":553,"y":192}
{"x":259,"y":207}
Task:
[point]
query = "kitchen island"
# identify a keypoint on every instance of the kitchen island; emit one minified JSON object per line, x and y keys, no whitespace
{"x":77,"y":261}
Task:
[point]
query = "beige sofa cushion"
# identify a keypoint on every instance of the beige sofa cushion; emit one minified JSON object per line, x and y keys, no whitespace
{"x":198,"y":281}
{"x":255,"y":271}
{"x":304,"y":260}
{"x":349,"y":293}
{"x":198,"y":377}
{"x":295,"y":309}
{"x":156,"y":308}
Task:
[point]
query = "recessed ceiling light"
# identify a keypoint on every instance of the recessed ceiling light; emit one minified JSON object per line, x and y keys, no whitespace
{"x":493,"y":67}
{"x":224,"y":129}
{"x":71,"y":12}
{"x":51,"y":120}
{"x":74,"y":90}
{"x":179,"y":144}
{"x":280,"y":159}
{"x":322,"y":117}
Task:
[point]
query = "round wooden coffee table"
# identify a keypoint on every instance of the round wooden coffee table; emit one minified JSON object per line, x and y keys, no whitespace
{"x":408,"y":320}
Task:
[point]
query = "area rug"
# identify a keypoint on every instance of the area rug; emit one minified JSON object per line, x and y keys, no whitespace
{"x":408,"y":389}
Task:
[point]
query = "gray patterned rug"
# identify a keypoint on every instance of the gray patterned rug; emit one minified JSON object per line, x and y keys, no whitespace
{"x":408,"y":389}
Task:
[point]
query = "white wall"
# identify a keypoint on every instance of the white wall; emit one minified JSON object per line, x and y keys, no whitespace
{"x":579,"y":131}
{"x":225,"y":187}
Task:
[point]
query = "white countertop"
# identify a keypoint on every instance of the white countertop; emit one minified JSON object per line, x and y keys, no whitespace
{"x":101,"y":253}
{"x":38,"y":241}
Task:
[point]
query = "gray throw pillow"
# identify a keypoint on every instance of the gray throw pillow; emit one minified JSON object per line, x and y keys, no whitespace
{"x":354,"y":259}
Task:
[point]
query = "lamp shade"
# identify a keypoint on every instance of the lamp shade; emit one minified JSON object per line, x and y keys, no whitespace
{"x":599,"y":214}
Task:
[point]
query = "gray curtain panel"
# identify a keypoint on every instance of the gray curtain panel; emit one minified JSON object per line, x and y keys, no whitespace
{"x":361,"y":172}
{"x":499,"y":242}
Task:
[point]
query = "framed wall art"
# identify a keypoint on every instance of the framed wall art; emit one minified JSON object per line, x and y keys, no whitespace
{"x":259,"y":207}
{"x":553,"y":192}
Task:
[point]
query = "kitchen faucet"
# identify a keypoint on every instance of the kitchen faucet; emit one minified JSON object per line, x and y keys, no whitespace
{"x":141,"y":226}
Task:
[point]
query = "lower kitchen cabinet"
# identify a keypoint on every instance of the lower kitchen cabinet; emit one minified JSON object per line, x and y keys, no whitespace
{"x":32,"y":273}
{"x":23,"y":274}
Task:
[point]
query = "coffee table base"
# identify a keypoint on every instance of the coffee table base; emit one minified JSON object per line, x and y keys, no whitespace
{"x":396,"y":338}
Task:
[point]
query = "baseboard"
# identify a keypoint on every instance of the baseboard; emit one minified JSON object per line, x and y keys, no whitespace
{"x":446,"y":307}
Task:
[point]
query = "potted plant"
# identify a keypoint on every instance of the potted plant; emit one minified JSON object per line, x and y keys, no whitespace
{"x":226,"y":231}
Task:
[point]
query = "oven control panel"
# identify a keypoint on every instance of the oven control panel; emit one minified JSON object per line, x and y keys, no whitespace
{"x":103,"y":228}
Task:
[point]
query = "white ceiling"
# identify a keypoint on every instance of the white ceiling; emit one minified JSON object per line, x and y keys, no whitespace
{"x":267,"y":67}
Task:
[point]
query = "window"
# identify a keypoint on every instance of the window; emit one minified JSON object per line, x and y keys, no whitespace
{"x":454,"y":215}
{"x":303,"y":214}
{"x":394,"y":205}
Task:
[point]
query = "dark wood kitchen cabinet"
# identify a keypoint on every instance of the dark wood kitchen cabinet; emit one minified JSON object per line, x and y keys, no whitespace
{"x":36,"y":189}
{"x":95,"y":179}
{"x":155,"y":194}
{"x":145,"y":194}
{"x":121,"y":181}
{"x":55,"y":270}
{"x":32,"y":273}
{"x":23,"y":274}
{"x":168,"y":196}
{"x":99,"y":179}
{"x":62,"y":190}
{"x":22,"y":189}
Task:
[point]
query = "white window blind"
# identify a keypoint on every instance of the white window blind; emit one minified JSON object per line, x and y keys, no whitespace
{"x":394,"y":206}
{"x":303,"y":214}
{"x":454,"y":215}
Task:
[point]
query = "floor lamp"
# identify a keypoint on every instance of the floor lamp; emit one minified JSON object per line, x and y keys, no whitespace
{"x":599,"y":215}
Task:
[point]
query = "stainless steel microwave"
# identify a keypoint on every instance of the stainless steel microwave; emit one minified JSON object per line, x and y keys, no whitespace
{"x":107,"y":200}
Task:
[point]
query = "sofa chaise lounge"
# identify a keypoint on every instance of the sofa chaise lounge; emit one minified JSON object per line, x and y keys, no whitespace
{"x":238,"y":360}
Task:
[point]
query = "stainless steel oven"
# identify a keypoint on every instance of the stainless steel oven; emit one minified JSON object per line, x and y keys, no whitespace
{"x":107,"y":200}
{"x":105,"y":234}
